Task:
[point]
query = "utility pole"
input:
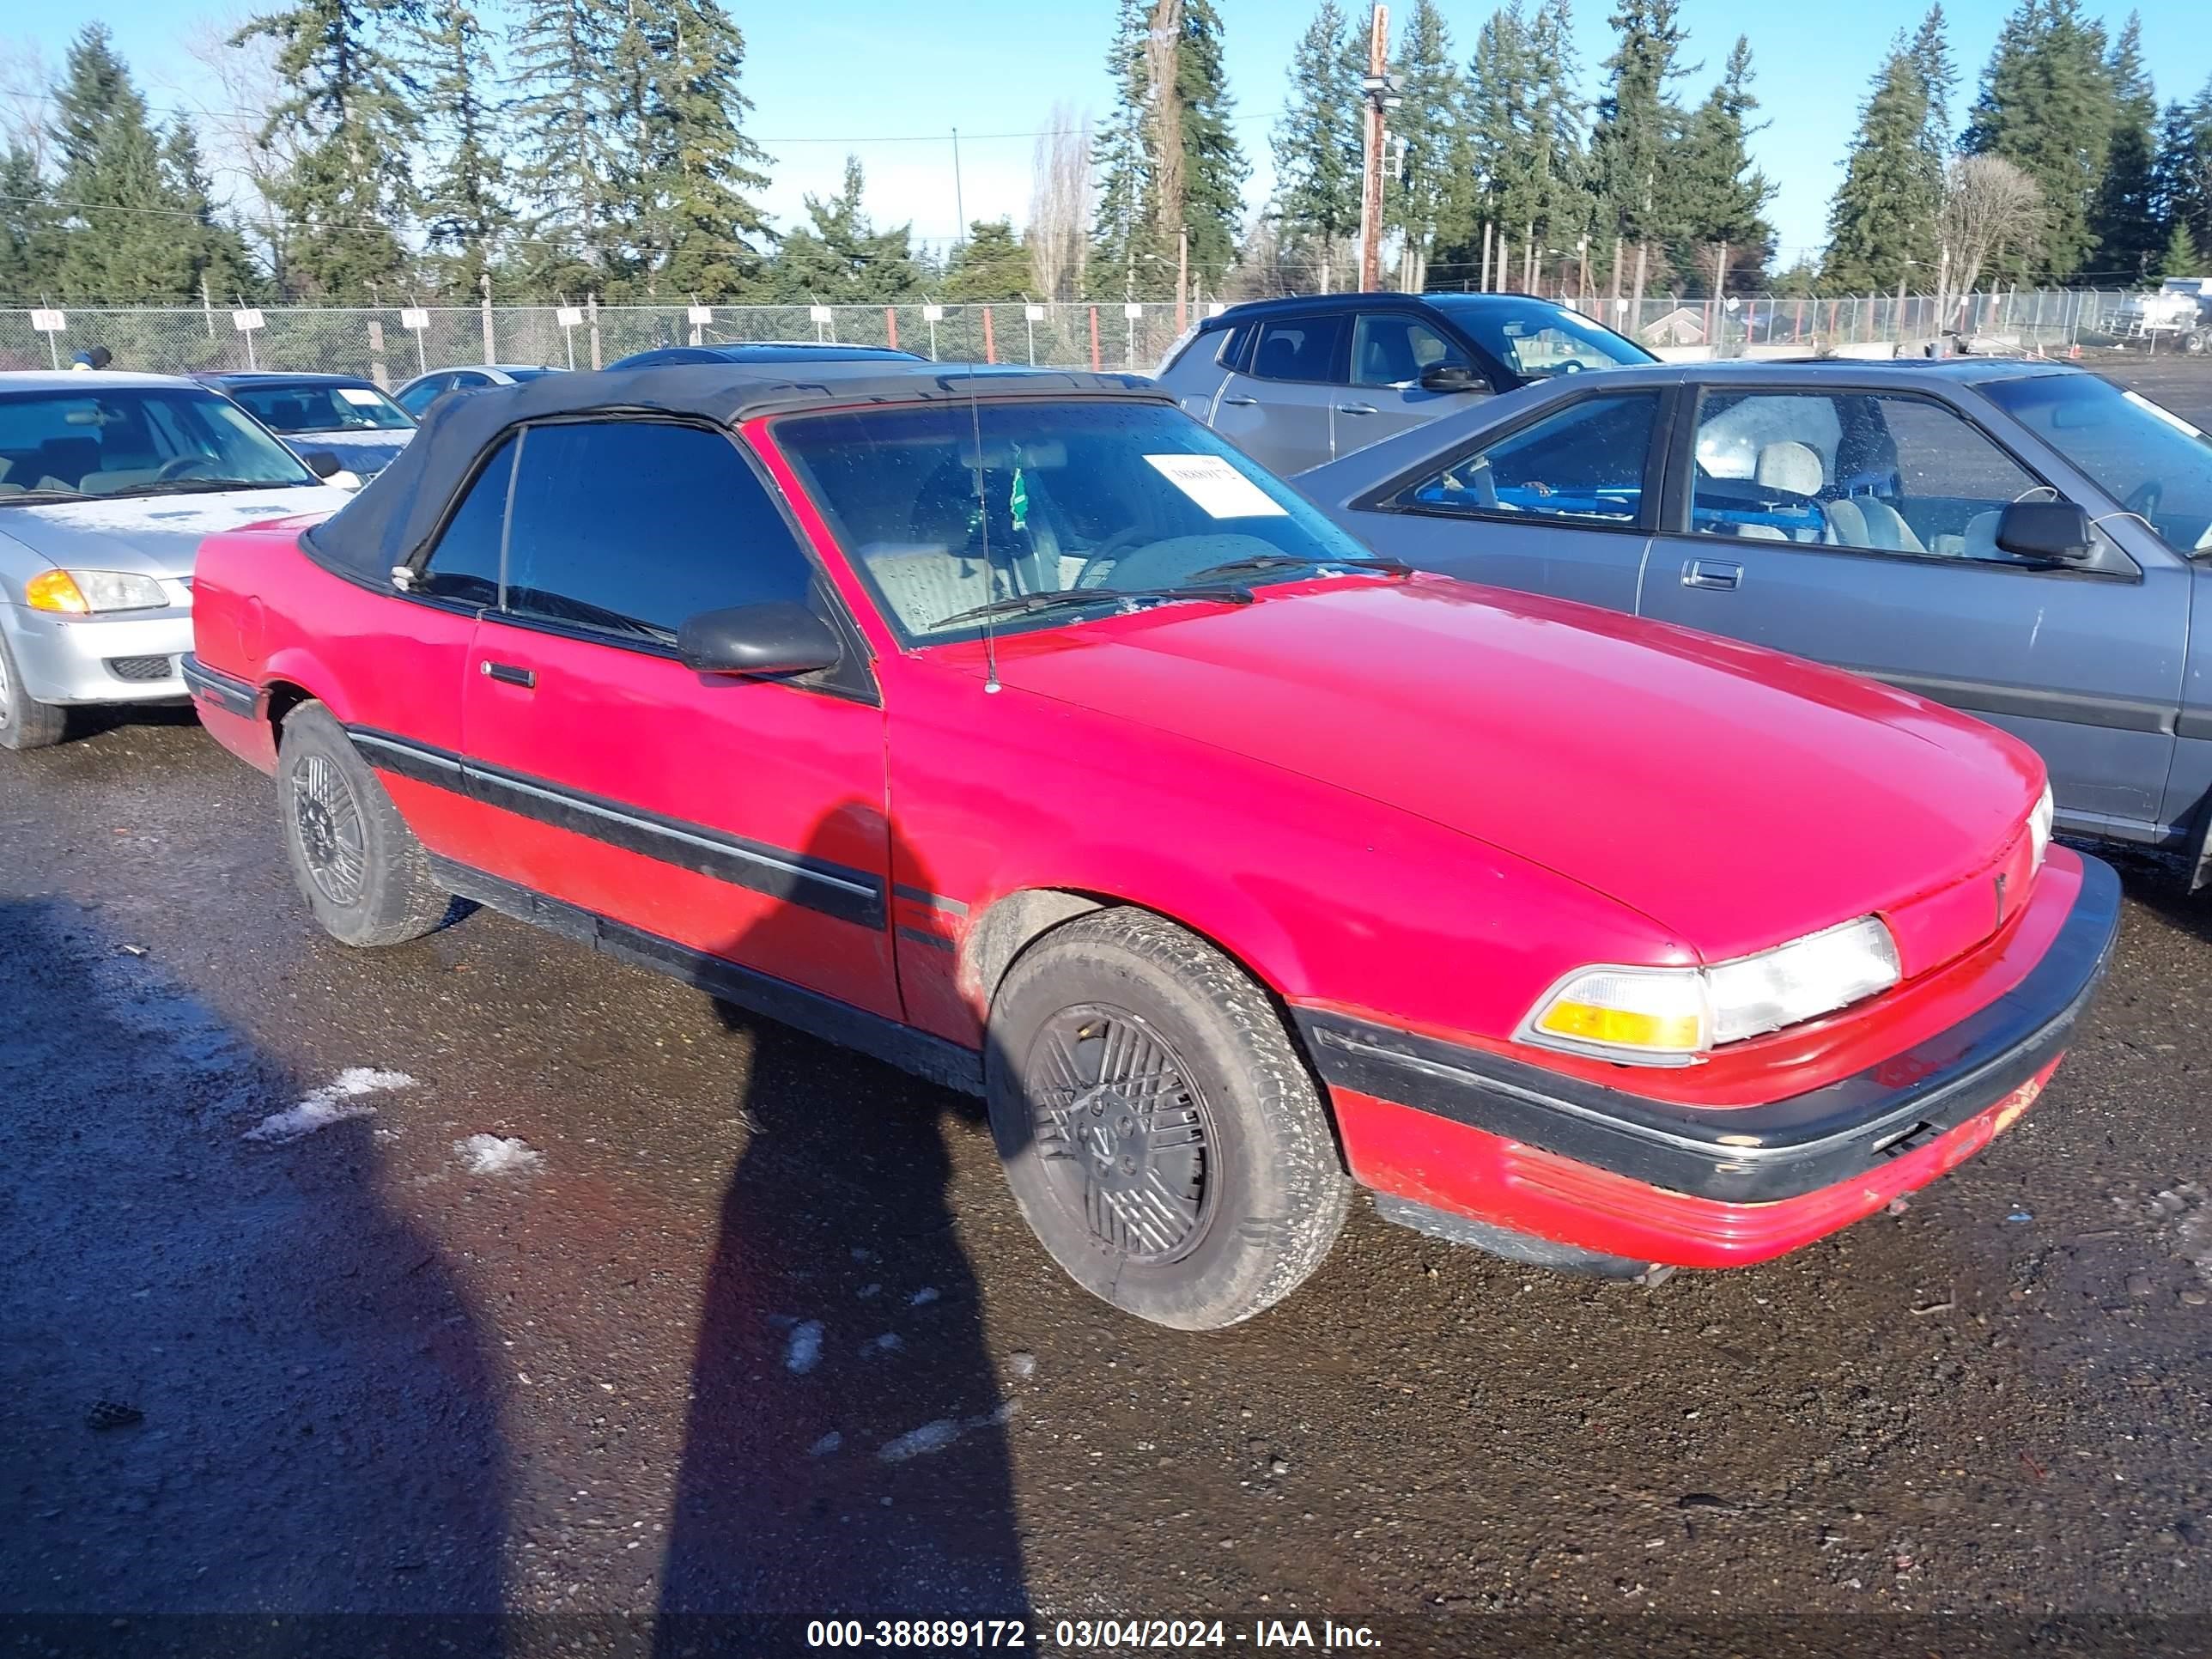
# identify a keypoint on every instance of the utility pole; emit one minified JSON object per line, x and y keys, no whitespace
{"x":1380,"y":95}
{"x":1183,"y":278}
{"x":492,"y":351}
{"x":959,"y":204}
{"x":1487,"y":227}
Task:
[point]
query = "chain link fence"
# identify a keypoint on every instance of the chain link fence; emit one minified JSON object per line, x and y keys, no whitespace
{"x":379,"y":343}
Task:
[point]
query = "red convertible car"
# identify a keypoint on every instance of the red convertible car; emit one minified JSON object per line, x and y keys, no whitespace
{"x":1016,"y":729}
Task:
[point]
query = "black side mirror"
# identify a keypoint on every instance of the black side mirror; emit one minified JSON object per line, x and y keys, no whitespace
{"x":773,"y":637}
{"x":322,"y":462}
{"x":1450,"y":377}
{"x":2053,"y":533}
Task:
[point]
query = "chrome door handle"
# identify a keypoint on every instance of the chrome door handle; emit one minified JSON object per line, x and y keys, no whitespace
{"x":507,"y":674}
{"x":1712,"y":573}
{"x":1355,"y":408}
{"x":1240,"y":403}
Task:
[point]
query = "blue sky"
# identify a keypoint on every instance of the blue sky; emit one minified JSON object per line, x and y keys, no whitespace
{"x":873,"y":78}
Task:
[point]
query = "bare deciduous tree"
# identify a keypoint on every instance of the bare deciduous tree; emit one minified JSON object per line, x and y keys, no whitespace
{"x":231,"y":105}
{"x":1990,"y":210}
{"x":25,"y":112}
{"x":1059,"y":206}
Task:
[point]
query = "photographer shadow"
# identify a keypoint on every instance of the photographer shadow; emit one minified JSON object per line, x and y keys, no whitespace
{"x":846,"y":1451}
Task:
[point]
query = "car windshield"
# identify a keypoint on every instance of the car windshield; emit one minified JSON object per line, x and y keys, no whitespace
{"x":322,"y":408}
{"x":948,"y":507}
{"x":518,"y":375}
{"x":133,"y":441}
{"x":2146,"y":457}
{"x":1537,"y":340}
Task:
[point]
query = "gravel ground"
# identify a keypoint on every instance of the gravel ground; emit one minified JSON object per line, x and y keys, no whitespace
{"x":490,"y":1280}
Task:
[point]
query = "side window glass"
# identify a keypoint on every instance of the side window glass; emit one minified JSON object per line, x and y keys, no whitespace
{"x":632,"y":527}
{"x":464,"y":564}
{"x":1583,"y":464}
{"x":1875,"y":472}
{"x":1391,"y":349}
{"x":1297,"y":349}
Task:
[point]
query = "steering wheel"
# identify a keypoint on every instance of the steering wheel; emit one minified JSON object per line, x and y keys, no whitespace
{"x":1572,"y":366}
{"x":2144,"y":500}
{"x":177,"y":465}
{"x":1106,"y":550}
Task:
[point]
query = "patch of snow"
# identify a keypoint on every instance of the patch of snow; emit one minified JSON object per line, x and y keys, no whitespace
{"x":1022,"y":1364}
{"x":920,"y":1442}
{"x":805,"y":1353}
{"x":886,"y":1343}
{"x":497,"y":1154}
{"x":922,"y":1297}
{"x":336,"y":1102}
{"x":828,"y":1444}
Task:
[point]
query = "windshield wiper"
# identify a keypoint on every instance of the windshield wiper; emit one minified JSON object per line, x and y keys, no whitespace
{"x":33,"y":497}
{"x":1255,"y":563}
{"x":194,"y":486}
{"x":1023,"y":604}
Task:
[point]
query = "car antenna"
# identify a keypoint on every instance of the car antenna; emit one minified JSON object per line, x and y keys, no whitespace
{"x":983,"y":513}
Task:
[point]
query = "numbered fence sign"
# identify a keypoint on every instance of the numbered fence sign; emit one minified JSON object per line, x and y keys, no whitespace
{"x":699,"y":316}
{"x":414,"y":318}
{"x":1132,"y":311}
{"x":569,"y":316}
{"x":1033,"y":313}
{"x":933,"y":314}
{"x":246,"y":321}
{"x":49,"y":322}
{"x":820,"y":314}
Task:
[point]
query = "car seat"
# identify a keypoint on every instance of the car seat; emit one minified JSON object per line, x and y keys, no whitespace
{"x":1792,"y":467}
{"x":1278,"y":359}
{"x":1386,"y":358}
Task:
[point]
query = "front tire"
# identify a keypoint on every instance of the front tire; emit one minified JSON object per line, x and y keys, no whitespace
{"x":357,"y":863}
{"x":1160,"y":1133}
{"x":25,"y":722}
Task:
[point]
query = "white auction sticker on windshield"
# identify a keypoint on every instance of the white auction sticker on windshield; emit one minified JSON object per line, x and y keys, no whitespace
{"x":1221,"y":490}
{"x":354,"y":395}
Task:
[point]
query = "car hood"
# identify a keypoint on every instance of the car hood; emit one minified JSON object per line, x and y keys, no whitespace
{"x":363,"y":451}
{"x":1737,"y":797}
{"x":152,"y":535}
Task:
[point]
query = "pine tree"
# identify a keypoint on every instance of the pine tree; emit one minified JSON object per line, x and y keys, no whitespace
{"x":1721,"y":196}
{"x":2046,"y":106}
{"x":2124,"y":218}
{"x":2180,"y":258}
{"x":2181,"y":178}
{"x":1317,"y":143}
{"x":1122,"y":225}
{"x":1640,"y":123}
{"x":1930,"y":52}
{"x":215,"y":256}
{"x":30,"y":234}
{"x":1498,"y":126}
{"x":1882,"y":222}
{"x":353,"y":108}
{"x":839,"y":256}
{"x":1559,"y":166}
{"x":1168,"y":160}
{"x":1213,"y":168}
{"x":1427,"y":122}
{"x":465,"y":205}
{"x":990,"y":265}
{"x":705,"y":232}
{"x":560,"y":50}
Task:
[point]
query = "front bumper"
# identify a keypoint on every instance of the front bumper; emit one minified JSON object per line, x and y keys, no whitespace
{"x":1493,"y":1138}
{"x":132,"y":657}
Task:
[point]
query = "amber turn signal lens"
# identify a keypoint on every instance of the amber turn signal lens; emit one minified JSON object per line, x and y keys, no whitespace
{"x":56,"y":590}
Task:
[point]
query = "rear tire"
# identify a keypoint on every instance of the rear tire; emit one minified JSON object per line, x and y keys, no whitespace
{"x":1160,"y":1133}
{"x":357,"y":863}
{"x":25,"y":722}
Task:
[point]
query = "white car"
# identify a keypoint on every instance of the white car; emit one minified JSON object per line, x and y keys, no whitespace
{"x":109,"y":483}
{"x":419,"y":393}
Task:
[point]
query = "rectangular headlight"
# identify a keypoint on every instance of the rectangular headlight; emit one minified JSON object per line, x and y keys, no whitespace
{"x":1673,"y":1016}
{"x":2038,"y":825}
{"x":1806,"y":978}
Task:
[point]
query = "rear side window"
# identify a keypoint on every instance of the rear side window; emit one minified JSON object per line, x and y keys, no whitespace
{"x":1297,"y":349}
{"x":463,"y":565}
{"x":1582,"y":465}
{"x":632,"y":527}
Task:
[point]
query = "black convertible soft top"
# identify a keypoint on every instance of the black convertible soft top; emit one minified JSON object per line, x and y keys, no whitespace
{"x":398,"y":511}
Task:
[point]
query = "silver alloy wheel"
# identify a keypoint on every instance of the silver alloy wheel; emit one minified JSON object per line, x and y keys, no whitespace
{"x":327,"y":820}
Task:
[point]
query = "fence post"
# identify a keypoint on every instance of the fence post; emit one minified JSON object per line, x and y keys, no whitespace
{"x":890,"y":326}
{"x":1095,"y":364}
{"x":377,"y":371}
{"x":592,"y":310}
{"x":483,"y":283}
{"x":990,"y":345}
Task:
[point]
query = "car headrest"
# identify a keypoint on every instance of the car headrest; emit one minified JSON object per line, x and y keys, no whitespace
{"x":1795,"y":467}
